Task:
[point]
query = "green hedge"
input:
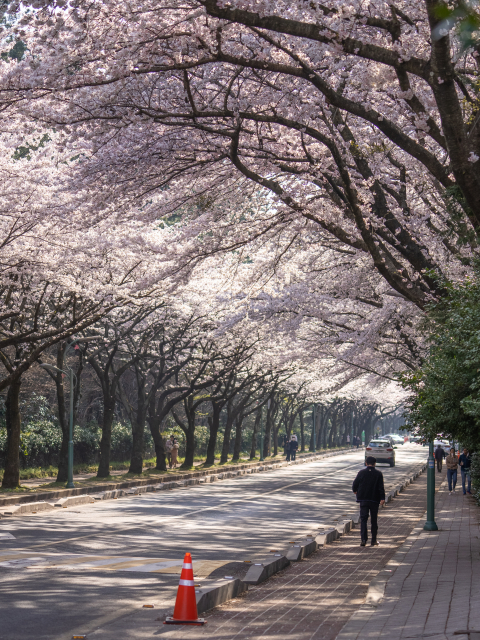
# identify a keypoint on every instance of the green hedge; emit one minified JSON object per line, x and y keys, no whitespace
{"x":41,"y":437}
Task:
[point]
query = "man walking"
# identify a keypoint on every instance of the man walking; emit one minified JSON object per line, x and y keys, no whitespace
{"x":465,"y":462}
{"x":370,"y":492}
{"x":439,"y":456}
{"x":452,"y":465}
{"x":293,"y":447}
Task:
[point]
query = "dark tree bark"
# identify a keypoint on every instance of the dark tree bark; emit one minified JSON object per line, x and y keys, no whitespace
{"x":155,"y":424}
{"x":256,"y":426}
{"x":188,"y":429}
{"x":62,"y":475}
{"x":214,"y":425}
{"x":138,"y":433}
{"x":227,"y":433}
{"x":238,"y":437}
{"x":106,"y":439}
{"x":302,"y":431}
{"x":11,"y":476}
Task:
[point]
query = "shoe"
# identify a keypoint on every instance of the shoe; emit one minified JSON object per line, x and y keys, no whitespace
{"x":469,"y":492}
{"x":449,"y":493}
{"x":374,"y":543}
{"x":363,"y":543}
{"x":464,"y":493}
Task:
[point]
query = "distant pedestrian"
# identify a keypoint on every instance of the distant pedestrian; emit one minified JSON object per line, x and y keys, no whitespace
{"x":465,"y":464}
{"x":370,"y":491}
{"x":293,"y":447}
{"x":175,"y":448}
{"x":287,"y":450}
{"x":168,"y":449}
{"x":348,"y":440}
{"x":358,"y":441}
{"x":439,"y":456}
{"x":452,"y":465}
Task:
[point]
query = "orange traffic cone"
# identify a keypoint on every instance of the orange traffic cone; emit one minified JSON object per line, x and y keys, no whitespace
{"x":185,"y":611}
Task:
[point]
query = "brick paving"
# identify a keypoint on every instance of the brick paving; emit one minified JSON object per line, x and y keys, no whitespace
{"x":434,"y":588}
{"x":313,"y":599}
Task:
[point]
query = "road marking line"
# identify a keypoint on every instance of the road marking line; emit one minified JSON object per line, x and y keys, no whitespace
{"x":189,"y":513}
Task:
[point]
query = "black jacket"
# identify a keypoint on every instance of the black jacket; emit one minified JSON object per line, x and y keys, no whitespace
{"x":439,"y":453}
{"x":368,"y":485}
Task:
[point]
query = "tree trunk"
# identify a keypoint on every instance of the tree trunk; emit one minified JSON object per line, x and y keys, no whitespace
{"x":226,"y":438}
{"x":319,"y":426}
{"x":325,"y":430}
{"x":106,"y":440}
{"x":214,"y":424}
{"x":268,"y":433}
{"x":310,"y":446}
{"x":275,"y":439}
{"x":154,"y":422}
{"x":11,"y":476}
{"x":238,"y":437}
{"x":189,"y":445}
{"x":62,"y":475}
{"x":253,"y":450}
{"x":138,"y":433}
{"x":302,"y":431}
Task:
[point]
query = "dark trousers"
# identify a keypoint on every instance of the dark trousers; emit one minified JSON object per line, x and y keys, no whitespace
{"x":366,"y":509}
{"x":439,"y":464}
{"x":293,"y":454}
{"x":288,"y":456}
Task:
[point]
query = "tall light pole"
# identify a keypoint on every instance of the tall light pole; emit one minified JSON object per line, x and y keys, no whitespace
{"x":71,"y":375}
{"x":314,"y":411}
{"x":430,"y":524}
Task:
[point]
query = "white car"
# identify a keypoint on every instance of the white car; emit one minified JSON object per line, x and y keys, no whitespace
{"x":381,"y":450}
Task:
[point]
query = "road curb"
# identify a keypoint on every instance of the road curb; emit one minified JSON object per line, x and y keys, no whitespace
{"x":210,"y":595}
{"x":262,"y":571}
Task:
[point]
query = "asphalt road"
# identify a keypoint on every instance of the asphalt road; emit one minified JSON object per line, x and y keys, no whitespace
{"x":86,"y":569}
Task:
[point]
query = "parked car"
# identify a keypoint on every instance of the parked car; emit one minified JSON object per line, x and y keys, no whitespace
{"x":382,"y":450}
{"x":395,"y":437}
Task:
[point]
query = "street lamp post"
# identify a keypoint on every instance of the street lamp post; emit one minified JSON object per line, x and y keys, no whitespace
{"x":314,"y":411}
{"x":430,"y":524}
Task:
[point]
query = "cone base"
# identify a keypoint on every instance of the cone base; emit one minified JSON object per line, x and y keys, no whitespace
{"x":198,"y":622}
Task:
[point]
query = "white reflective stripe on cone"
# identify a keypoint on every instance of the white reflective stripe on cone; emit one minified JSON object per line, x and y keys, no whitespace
{"x":187,"y":583}
{"x":187,"y":565}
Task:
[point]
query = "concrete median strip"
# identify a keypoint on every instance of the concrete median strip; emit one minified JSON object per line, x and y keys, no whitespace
{"x":73,"y":501}
{"x":29,"y":507}
{"x":212,"y":593}
{"x":301,"y":549}
{"x":261,"y":571}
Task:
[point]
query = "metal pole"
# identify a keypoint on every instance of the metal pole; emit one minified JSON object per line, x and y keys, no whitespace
{"x":261,"y":436}
{"x":70,"y":484}
{"x":314,"y":412}
{"x":430,"y":524}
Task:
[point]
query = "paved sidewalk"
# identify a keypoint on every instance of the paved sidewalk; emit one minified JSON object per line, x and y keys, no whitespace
{"x":433,"y":589}
{"x":312,"y":599}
